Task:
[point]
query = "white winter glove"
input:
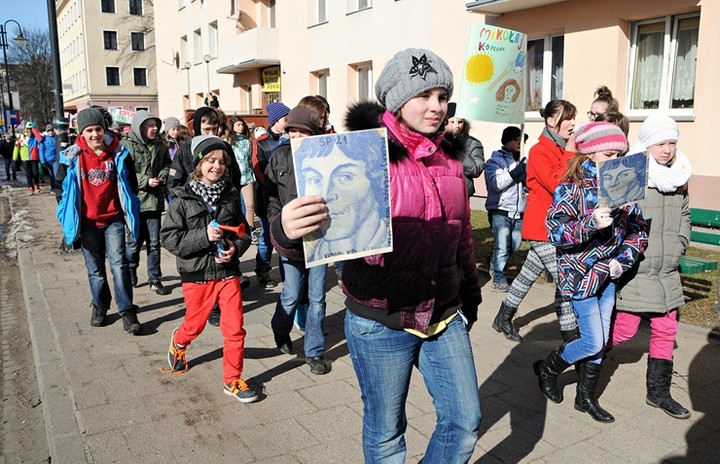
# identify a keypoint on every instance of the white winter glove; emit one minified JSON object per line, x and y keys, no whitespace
{"x":601,"y":218}
{"x":616,"y":269}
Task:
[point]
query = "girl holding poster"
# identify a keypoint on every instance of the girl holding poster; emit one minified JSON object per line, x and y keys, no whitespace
{"x":547,"y":163}
{"x":595,"y":246}
{"x":412,"y":306}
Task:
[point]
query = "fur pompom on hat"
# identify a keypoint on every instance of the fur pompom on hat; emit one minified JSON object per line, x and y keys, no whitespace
{"x":276,"y":110}
{"x":600,"y":136}
{"x":409,"y":73}
{"x":90,"y":117}
{"x":202,"y":145}
{"x":658,"y":128}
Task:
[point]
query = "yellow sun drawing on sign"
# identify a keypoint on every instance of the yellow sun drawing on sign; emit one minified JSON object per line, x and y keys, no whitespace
{"x":479,"y":68}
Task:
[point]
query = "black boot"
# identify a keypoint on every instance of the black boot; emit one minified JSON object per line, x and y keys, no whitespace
{"x":586,"y":400}
{"x":569,"y":335}
{"x":503,"y":323}
{"x":214,"y":318}
{"x":659,"y":378}
{"x":548,"y":371}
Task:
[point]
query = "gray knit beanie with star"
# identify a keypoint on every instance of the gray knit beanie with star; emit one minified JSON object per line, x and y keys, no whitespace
{"x":409,"y":73}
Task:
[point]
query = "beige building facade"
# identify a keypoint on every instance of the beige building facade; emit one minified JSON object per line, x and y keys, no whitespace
{"x":655,"y":55}
{"x":107,"y":54}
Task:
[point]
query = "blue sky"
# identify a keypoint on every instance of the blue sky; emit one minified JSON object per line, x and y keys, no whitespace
{"x":31,"y":14}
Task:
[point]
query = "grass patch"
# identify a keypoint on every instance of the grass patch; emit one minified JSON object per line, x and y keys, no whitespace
{"x":702,"y":289}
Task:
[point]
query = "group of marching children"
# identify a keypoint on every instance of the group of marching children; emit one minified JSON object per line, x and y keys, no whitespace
{"x":593,"y":252}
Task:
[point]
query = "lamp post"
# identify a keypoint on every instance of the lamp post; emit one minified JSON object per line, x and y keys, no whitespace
{"x":186,"y":67}
{"x":207,"y":59}
{"x":21,"y":42}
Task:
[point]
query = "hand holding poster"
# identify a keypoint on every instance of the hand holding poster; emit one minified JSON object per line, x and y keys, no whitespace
{"x":351,"y":172}
{"x":622,"y":180}
{"x":493,"y":82}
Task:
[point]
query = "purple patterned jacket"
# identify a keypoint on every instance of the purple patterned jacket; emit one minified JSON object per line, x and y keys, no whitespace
{"x":584,"y":251}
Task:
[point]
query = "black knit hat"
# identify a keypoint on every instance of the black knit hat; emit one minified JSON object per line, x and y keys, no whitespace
{"x":202,"y":145}
{"x":511,"y":133}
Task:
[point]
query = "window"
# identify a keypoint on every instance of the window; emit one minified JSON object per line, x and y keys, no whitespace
{"x":545,"y":72}
{"x":137,"y":40}
{"x":364,"y":79}
{"x":136,"y":7}
{"x":181,"y":4}
{"x":140,"y":76}
{"x":142,"y":108}
{"x":357,"y":5}
{"x":184,"y":50}
{"x":663,"y":54}
{"x":110,"y":40}
{"x":107,"y":6}
{"x":213,"y":39}
{"x":197,"y":47}
{"x":112,"y":75}
{"x":318,"y":12}
{"x":322,"y":78}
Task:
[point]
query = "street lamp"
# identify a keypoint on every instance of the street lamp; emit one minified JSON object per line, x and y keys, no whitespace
{"x":207,"y":59}
{"x":21,"y":42}
{"x":186,"y":67}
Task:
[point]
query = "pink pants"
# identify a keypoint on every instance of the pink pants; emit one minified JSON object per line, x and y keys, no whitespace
{"x":663,"y":328}
{"x":199,"y":301}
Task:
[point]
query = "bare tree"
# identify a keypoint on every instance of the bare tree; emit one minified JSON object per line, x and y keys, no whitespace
{"x":33,"y":76}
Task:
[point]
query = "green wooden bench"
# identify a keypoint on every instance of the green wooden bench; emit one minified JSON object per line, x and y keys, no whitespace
{"x":709,"y":222}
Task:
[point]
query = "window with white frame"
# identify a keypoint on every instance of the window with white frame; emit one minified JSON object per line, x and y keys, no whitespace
{"x":135,"y":7}
{"x":323,"y":81}
{"x":110,"y":40}
{"x":197,"y":46}
{"x":544,"y":72}
{"x":663,"y":56}
{"x":112,"y":75}
{"x":357,"y":5}
{"x":364,"y":80}
{"x":318,"y":12}
{"x":137,"y":41}
{"x":213,"y":39}
{"x":107,"y":6}
{"x":184,"y":50}
{"x":140,"y":77}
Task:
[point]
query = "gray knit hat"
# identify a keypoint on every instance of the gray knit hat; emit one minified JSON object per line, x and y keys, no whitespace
{"x":90,"y":117}
{"x":171,"y":122}
{"x":409,"y":73}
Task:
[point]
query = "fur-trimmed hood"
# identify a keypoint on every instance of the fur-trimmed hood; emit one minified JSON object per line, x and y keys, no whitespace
{"x":367,"y":115}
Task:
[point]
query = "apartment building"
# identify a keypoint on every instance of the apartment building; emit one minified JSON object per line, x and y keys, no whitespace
{"x":655,"y":55}
{"x":107,"y":54}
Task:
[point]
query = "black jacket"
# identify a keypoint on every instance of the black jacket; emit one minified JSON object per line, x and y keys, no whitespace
{"x":280,"y":189}
{"x":261,"y":159}
{"x":184,"y":234}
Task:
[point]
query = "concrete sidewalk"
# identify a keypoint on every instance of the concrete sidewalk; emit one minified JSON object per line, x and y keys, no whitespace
{"x":105,"y":399}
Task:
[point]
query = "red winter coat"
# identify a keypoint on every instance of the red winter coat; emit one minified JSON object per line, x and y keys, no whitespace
{"x":547,"y":163}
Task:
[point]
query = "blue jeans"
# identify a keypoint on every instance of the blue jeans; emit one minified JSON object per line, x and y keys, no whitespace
{"x":96,"y":243}
{"x":506,"y":235}
{"x":149,"y":234}
{"x":282,"y":321}
{"x":383,"y":359}
{"x":593,"y":317}
{"x":265,"y":248}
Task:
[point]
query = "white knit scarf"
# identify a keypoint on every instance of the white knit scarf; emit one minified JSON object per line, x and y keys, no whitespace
{"x":667,"y":179}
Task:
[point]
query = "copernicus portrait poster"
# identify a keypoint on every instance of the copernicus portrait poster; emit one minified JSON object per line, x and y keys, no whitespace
{"x":622,"y":180}
{"x":350,"y":171}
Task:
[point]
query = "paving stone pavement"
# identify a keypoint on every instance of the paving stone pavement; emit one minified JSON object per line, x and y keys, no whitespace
{"x":105,"y":400}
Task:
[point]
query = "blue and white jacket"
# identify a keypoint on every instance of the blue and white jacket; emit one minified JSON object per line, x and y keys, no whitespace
{"x":69,"y":205}
{"x":503,"y":193}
